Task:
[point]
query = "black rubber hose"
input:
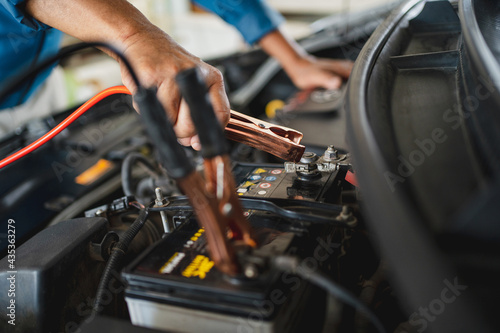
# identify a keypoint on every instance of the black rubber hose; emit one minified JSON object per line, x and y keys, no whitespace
{"x":127,"y":165}
{"x":117,"y":253}
{"x":367,"y":295}
{"x":292,"y":264}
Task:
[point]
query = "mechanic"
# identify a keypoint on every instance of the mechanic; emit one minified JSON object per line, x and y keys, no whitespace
{"x":27,"y":34}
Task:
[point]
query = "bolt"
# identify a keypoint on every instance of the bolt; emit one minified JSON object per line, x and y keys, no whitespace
{"x":347,"y":216}
{"x":262,"y":125}
{"x":164,"y":220}
{"x":331,"y":153}
{"x":227,"y":209}
{"x":345,"y":211}
{"x":251,"y":271}
{"x":159,"y":197}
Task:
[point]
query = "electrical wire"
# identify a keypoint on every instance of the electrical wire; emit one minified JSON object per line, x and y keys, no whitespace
{"x":367,"y":295}
{"x":126,"y":171}
{"x":292,"y":264}
{"x":115,"y":258}
{"x":137,"y":204}
{"x":62,"y":125}
{"x":64,"y":52}
{"x":17,"y":81}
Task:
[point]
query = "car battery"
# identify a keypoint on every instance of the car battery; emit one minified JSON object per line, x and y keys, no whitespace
{"x":272,"y":181}
{"x":174,"y":285}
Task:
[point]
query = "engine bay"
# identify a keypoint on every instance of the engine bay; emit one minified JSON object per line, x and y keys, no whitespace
{"x":330,"y":248}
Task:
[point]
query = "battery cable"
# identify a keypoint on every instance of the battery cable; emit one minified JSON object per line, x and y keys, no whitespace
{"x":46,"y":63}
{"x":63,"y":124}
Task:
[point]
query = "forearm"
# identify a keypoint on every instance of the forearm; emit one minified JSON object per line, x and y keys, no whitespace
{"x":284,"y":49}
{"x":120,"y":23}
{"x":305,"y":70}
{"x":155,"y":57}
{"x":115,"y":21}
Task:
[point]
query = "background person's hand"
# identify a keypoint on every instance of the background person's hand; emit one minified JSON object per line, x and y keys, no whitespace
{"x":305,"y":70}
{"x":311,"y":72}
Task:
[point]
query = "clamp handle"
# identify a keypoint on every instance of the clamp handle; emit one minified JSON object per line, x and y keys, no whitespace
{"x":195,"y":92}
{"x":172,"y":155}
{"x":222,"y":209}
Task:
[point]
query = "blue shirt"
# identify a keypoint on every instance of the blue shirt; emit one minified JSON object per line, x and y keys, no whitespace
{"x":253,"y":18}
{"x":23,"y":40}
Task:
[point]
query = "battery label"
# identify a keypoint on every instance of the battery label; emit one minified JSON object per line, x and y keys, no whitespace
{"x":172,"y":263}
{"x":262,"y":178}
{"x":247,"y":184}
{"x":199,"y":267}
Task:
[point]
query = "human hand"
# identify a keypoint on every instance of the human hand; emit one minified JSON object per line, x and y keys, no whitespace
{"x":310,"y":72}
{"x":157,"y":59}
{"x":155,"y":56}
{"x":305,"y":70}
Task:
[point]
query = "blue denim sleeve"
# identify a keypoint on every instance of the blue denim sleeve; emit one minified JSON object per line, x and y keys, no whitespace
{"x":16,"y":9}
{"x":253,"y":18}
{"x":23,"y":39}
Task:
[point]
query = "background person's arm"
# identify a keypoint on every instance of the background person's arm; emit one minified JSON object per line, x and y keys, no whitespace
{"x":259,"y":23}
{"x":155,"y":56}
{"x":305,"y":70}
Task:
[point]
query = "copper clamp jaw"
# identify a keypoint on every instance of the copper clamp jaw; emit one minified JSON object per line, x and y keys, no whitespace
{"x":280,"y":141}
{"x":219,"y":212}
